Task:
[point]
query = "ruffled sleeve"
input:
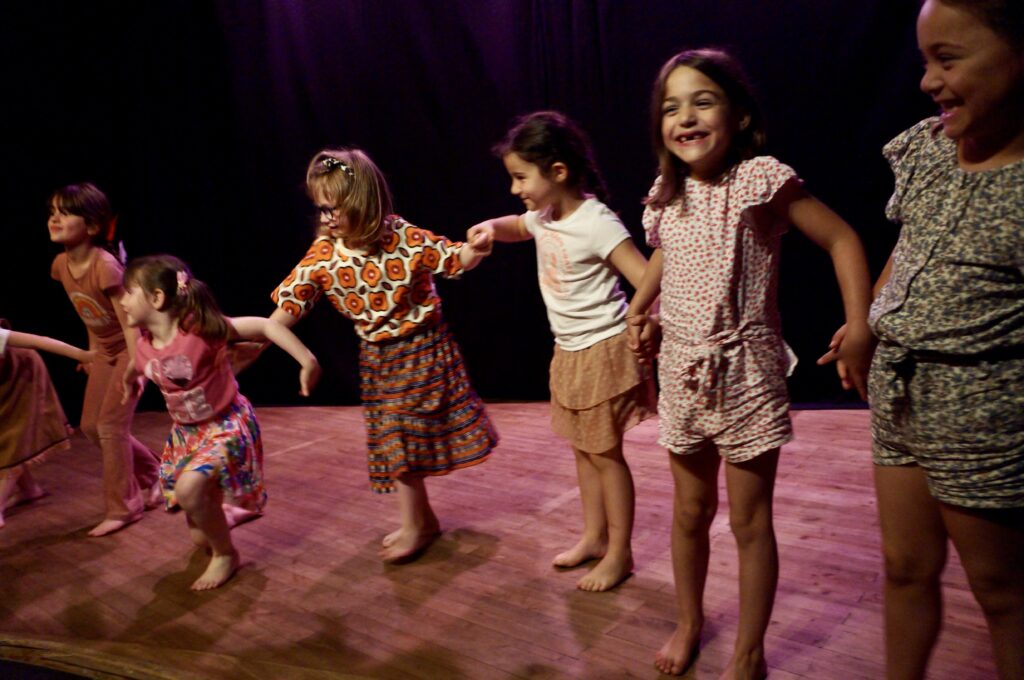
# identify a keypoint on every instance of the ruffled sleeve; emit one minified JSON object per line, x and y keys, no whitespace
{"x":759,"y":179}
{"x":903,"y":154}
{"x":652,"y":217}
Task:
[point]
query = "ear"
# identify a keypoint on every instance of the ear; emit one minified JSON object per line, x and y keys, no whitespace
{"x":158,"y":298}
{"x":559,"y":172}
{"x":745,"y":121}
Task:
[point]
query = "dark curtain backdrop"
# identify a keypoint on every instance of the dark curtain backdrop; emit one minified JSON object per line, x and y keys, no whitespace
{"x":198,"y":120}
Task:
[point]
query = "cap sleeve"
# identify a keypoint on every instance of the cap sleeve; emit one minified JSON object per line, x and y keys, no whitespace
{"x":651,"y":219}
{"x":760,"y":178}
{"x":903,"y":154}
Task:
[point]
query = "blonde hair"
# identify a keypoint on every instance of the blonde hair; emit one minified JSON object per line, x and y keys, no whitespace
{"x":354,"y":184}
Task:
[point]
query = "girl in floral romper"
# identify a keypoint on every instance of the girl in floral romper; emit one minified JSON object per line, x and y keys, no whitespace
{"x":715,"y":216}
{"x":422,"y":415}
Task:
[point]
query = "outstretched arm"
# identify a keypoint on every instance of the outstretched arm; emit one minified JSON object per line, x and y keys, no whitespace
{"x":51,"y":345}
{"x":259,"y":328}
{"x":833,"y":234}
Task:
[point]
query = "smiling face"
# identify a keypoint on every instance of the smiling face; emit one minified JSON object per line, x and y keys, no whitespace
{"x":697,"y":122}
{"x":973,"y":74}
{"x":67,"y":229}
{"x":535,"y":189}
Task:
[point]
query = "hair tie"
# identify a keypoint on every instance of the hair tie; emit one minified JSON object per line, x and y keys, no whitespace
{"x":111,"y":229}
{"x":330,"y":162}
{"x":182,"y":281}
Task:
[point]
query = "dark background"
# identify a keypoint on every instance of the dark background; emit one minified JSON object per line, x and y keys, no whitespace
{"x":198,"y":120}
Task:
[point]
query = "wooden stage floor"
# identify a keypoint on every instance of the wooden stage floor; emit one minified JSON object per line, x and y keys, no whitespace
{"x":312,"y":599}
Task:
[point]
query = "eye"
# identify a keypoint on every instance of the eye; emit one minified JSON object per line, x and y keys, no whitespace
{"x":669,"y":109}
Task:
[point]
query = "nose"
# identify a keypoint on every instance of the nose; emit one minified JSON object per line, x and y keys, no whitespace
{"x":930,"y":83}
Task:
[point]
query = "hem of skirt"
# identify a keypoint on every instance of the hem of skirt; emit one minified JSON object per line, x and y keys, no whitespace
{"x":382,"y":488}
{"x":37,"y":458}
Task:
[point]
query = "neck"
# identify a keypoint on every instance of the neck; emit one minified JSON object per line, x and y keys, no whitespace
{"x":79,"y":252}
{"x":566,"y":205}
{"x":987,"y":152}
{"x":162,"y":328}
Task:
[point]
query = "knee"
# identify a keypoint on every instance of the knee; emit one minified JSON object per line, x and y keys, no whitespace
{"x":694,"y":517}
{"x":906,"y":568}
{"x":191,"y":491}
{"x":997,"y":591}
{"x":750,"y":527}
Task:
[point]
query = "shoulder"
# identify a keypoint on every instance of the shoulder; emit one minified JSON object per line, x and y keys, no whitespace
{"x":107,"y":262}
{"x":924,"y":138}
{"x":594,"y":211}
{"x":59,"y":265}
{"x":757,"y":180}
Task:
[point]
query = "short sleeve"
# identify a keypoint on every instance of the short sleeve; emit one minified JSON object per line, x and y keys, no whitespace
{"x":651,"y":219}
{"x":531,"y":219}
{"x":56,"y":265}
{"x":300,"y":290}
{"x":4,"y":336}
{"x":760,"y":178}
{"x":607,"y":232}
{"x":903,"y":153}
{"x":109,"y":272}
{"x":437,"y":254}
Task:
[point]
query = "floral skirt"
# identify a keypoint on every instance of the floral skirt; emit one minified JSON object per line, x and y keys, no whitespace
{"x":422,"y":415}
{"x":227,"y":447}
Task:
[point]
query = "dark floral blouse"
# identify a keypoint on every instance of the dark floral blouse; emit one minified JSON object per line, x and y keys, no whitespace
{"x":957,"y":280}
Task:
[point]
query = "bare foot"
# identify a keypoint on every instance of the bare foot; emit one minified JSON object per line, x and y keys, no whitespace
{"x":109,"y":526}
{"x":749,"y":666}
{"x":24,"y":497}
{"x":584,"y":551}
{"x":407,"y":546}
{"x":679,"y":652}
{"x":220,"y":569}
{"x":236,"y":515}
{"x":431,"y":524}
{"x":155,"y":496}
{"x":609,"y":572}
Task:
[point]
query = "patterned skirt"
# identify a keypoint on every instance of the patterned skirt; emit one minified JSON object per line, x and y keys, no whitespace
{"x":227,"y":447}
{"x":422,"y":415}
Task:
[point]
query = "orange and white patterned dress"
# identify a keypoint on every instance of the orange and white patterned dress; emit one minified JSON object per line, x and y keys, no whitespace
{"x":422,"y":415}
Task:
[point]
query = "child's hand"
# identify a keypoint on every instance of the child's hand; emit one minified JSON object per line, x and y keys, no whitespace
{"x":481,"y":239}
{"x":640,"y":336}
{"x":649,"y":340}
{"x":851,"y":348}
{"x":309,"y":376}
{"x":85,"y":358}
{"x":132,"y":384}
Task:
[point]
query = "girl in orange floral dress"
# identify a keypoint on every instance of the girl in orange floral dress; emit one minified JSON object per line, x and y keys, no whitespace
{"x":422,"y":415}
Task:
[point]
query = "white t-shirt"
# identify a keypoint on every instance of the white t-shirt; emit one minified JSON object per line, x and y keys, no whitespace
{"x":578,"y":283}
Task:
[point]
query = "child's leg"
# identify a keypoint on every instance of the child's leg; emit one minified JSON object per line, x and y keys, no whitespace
{"x":694,"y":505}
{"x":146,"y":469}
{"x":751,"y":485}
{"x":200,"y":497}
{"x":617,"y":498}
{"x":914,"y":550}
{"x":106,"y":422}
{"x":594,"y":541}
{"x":991,"y":548}
{"x":419,"y":523}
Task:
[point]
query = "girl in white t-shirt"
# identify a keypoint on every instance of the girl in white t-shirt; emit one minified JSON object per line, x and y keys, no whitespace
{"x":598,"y":388}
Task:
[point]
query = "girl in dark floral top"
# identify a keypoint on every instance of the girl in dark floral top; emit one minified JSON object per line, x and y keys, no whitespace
{"x":947,"y":382}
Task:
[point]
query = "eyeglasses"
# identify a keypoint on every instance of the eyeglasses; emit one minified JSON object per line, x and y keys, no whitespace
{"x":328,"y":212}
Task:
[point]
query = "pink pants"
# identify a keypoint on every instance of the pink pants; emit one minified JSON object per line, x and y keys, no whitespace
{"x":128,"y":464}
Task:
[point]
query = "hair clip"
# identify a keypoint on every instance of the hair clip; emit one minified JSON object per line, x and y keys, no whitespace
{"x":182,"y":281}
{"x":330,"y":162}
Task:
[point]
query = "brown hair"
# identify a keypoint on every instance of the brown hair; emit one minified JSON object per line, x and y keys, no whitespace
{"x":548,"y":137}
{"x":88,"y":202}
{"x":725,"y":71}
{"x":356,"y":186}
{"x":187,"y":299}
{"x":1004,"y":17}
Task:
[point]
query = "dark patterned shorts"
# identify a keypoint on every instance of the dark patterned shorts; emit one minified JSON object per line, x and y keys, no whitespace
{"x":961,"y":421}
